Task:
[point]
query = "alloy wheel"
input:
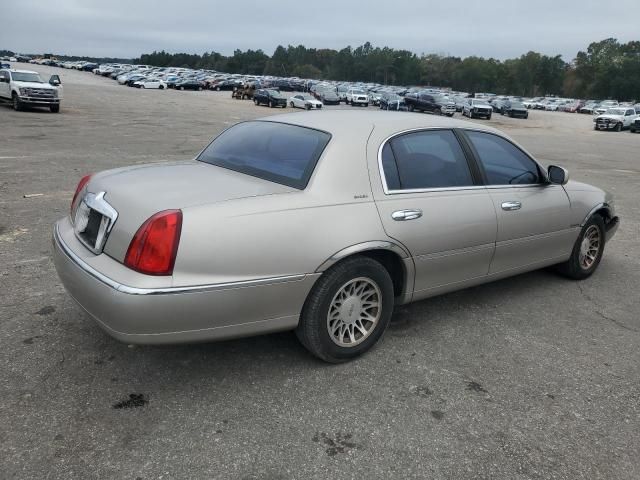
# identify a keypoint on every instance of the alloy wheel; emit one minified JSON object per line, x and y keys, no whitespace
{"x":354,"y":312}
{"x":590,"y":247}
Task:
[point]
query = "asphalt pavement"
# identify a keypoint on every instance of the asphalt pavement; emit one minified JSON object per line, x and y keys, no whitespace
{"x":533,"y":377}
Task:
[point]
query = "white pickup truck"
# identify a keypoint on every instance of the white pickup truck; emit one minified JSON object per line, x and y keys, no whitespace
{"x":618,"y":119}
{"x":24,"y":88}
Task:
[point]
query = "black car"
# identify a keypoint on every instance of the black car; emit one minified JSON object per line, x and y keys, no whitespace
{"x":132,"y":79}
{"x":430,"y":102}
{"x":270,"y":97}
{"x":329,"y":97}
{"x":188,"y":84}
{"x":391,"y":101}
{"x":225,"y":85}
{"x":499,"y":105}
{"x":515,"y":110}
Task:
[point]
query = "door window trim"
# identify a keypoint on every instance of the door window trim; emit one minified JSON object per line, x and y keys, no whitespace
{"x":464,"y":138}
{"x":471,"y":163}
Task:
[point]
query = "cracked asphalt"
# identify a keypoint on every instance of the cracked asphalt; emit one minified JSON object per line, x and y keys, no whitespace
{"x":533,"y":377}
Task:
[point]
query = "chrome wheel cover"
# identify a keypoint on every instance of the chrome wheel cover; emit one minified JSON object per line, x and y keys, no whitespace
{"x":354,"y":312}
{"x":589,"y":247}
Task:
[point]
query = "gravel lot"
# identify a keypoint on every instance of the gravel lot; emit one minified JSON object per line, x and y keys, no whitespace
{"x":526,"y":378}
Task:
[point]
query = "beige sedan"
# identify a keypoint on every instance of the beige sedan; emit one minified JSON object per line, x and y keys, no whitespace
{"x":320,"y":222}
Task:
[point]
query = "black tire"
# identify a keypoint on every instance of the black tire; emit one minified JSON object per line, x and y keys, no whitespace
{"x":17,"y":103}
{"x":161,"y":87}
{"x":54,"y":108}
{"x":181,"y":88}
{"x":410,"y":107}
{"x":619,"y":127}
{"x":270,"y":104}
{"x":308,"y":107}
{"x":489,"y":117}
{"x":471,"y":115}
{"x":572,"y":268}
{"x":217,"y":89}
{"x":291,"y":105}
{"x":366,"y":105}
{"x":255,"y":101}
{"x":313,"y":332}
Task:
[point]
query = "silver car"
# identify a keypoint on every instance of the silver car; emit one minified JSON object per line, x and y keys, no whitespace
{"x":320,"y":222}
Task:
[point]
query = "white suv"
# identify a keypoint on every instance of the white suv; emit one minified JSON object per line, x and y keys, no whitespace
{"x":356,"y":96}
{"x":23,"y":87}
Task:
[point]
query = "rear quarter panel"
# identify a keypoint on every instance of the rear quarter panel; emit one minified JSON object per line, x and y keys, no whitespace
{"x":288,"y":233}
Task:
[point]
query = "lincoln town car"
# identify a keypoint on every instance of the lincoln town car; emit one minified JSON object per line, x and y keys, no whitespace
{"x":319,"y":222}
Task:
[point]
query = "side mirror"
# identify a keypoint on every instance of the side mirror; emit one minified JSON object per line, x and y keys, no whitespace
{"x":54,"y":80}
{"x":557,"y":175}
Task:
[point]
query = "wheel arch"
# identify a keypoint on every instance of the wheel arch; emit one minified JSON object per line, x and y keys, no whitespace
{"x":603,"y":209}
{"x":393,"y":257}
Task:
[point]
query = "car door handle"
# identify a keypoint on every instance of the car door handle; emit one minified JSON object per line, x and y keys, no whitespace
{"x":403,"y":215}
{"x":509,"y":206}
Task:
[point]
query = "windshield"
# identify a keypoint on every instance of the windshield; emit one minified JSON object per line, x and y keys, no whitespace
{"x":615,"y":111}
{"x":277,"y":152}
{"x":307,"y":97}
{"x":517,"y":105}
{"x":26,"y":77}
{"x":357,"y":92}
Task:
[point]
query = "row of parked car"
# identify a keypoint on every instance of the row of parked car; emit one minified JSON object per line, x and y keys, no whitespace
{"x":313,"y":94}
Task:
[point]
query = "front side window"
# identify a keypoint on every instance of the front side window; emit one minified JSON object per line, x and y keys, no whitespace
{"x":428,"y":159}
{"x":277,"y":152}
{"x":503,"y":162}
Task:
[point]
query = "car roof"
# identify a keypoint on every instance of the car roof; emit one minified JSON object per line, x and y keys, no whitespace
{"x":388,"y":123}
{"x":13,"y":70}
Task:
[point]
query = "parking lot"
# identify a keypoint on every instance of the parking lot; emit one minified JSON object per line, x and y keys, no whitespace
{"x":533,"y":377}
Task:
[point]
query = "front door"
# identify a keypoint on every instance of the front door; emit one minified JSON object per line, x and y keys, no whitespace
{"x":433,"y":205}
{"x":5,"y":88}
{"x":534,"y":217}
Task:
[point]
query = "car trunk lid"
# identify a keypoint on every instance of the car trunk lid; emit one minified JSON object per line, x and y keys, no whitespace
{"x":136,"y":193}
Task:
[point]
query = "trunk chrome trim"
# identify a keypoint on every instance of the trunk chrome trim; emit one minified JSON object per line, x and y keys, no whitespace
{"x":64,"y":248}
{"x":95,"y":201}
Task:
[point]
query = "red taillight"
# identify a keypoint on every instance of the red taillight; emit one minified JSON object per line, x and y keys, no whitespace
{"x":155,"y":244}
{"x":81,"y":184}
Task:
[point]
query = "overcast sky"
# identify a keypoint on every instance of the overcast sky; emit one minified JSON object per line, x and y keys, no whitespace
{"x":489,"y":28}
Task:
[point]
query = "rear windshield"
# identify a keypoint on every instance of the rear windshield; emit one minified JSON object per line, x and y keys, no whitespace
{"x":278,"y":152}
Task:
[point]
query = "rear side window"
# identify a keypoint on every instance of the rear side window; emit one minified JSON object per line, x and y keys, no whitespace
{"x":503,"y":162}
{"x":429,"y":159}
{"x":278,"y":152}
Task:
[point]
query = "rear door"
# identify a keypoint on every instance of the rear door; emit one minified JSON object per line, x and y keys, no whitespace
{"x":534,"y":217}
{"x":432,"y":203}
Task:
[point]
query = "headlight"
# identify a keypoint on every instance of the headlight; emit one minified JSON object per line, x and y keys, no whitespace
{"x":23,"y":91}
{"x":55,"y":93}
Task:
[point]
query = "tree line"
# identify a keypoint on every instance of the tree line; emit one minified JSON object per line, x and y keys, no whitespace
{"x":607,"y":69}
